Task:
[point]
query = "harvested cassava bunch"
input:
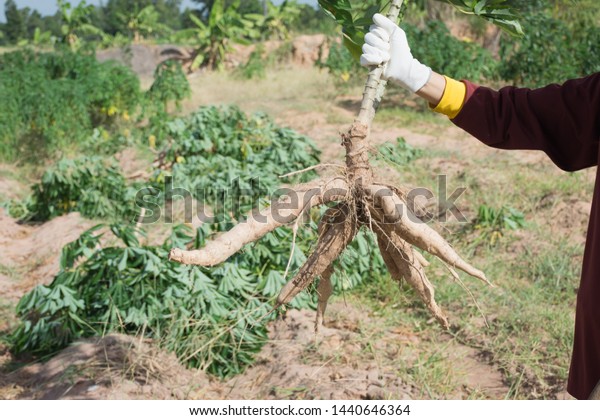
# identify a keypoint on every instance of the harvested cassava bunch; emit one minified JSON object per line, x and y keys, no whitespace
{"x":358,"y":201}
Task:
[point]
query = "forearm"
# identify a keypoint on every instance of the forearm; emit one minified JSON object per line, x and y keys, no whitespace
{"x":433,"y":91}
{"x":444,"y":94}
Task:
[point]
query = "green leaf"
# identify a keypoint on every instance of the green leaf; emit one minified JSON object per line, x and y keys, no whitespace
{"x":123,"y":263}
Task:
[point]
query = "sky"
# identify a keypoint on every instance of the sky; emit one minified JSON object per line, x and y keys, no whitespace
{"x":48,"y":7}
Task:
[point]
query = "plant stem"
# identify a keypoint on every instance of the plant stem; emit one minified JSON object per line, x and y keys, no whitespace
{"x":369,"y":104}
{"x":356,"y":140}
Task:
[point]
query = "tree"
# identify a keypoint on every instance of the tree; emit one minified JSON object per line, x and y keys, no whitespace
{"x":23,"y":25}
{"x":243,"y":8}
{"x":110,"y":15}
{"x":313,"y":20}
{"x":15,"y":27}
{"x":357,"y":200}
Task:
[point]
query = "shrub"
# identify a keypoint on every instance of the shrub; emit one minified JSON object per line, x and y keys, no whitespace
{"x":255,"y":67}
{"x":436,"y":47}
{"x":211,"y":154}
{"x":492,"y":223}
{"x":170,"y":84}
{"x":550,"y":52}
{"x":90,"y":185}
{"x":52,"y":101}
{"x":344,"y":68}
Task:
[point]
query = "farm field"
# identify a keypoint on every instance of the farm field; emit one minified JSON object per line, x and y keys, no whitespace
{"x":525,"y":227}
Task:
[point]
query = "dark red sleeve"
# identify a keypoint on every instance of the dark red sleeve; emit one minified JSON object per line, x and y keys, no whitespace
{"x":562,"y":120}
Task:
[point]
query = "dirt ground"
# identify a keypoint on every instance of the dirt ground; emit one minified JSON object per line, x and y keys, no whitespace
{"x":293,"y":365}
{"x":357,"y":355}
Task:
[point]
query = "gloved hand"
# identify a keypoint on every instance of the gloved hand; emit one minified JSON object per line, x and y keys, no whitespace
{"x":386,"y":43}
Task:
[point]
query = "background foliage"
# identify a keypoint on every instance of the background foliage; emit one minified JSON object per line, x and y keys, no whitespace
{"x":52,"y":101}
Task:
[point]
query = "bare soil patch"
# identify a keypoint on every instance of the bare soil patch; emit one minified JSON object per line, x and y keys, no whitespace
{"x":31,"y":252}
{"x":112,"y":367}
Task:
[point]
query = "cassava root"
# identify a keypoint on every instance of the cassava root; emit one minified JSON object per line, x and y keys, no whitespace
{"x":358,"y":203}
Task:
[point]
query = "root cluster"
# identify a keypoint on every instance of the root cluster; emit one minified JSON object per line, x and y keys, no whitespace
{"x":378,"y":207}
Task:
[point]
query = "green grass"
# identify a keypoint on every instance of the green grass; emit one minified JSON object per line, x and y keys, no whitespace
{"x":419,"y":119}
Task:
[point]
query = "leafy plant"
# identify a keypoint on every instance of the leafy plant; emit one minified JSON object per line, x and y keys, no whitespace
{"x":213,"y":319}
{"x":52,"y":101}
{"x":355,"y":17}
{"x":76,"y":23}
{"x":144,"y":22}
{"x":89,"y":185}
{"x":170,"y":84}
{"x":401,"y":153}
{"x":500,"y":12}
{"x":38,"y":39}
{"x":212,"y":152}
{"x":435,"y":46}
{"x":492,"y":223}
{"x":550,"y":52}
{"x":278,"y":19}
{"x":213,"y":39}
{"x":340,"y":63}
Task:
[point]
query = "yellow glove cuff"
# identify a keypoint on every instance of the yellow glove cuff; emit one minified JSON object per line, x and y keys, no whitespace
{"x":453,"y":98}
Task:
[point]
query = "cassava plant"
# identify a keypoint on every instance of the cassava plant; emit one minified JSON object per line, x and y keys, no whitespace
{"x":358,"y":201}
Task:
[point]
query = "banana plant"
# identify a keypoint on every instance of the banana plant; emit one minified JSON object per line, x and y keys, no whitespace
{"x":224,"y":27}
{"x":355,"y":16}
{"x":76,"y":23}
{"x":39,"y":39}
{"x":276,"y":22}
{"x":143,"y":22}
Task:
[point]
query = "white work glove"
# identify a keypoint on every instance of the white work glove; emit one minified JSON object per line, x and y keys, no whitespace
{"x":386,"y":43}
